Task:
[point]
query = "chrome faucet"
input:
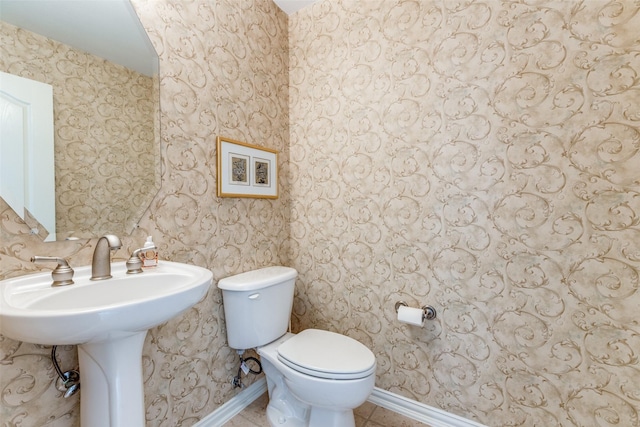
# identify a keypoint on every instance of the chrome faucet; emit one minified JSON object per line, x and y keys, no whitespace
{"x":101,"y":264}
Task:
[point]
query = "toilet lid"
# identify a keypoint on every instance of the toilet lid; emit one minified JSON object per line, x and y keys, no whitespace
{"x":326,"y":354}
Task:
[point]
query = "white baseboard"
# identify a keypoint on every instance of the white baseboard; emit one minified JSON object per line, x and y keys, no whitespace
{"x":393,"y":402}
{"x":235,"y":405}
{"x":434,"y":417}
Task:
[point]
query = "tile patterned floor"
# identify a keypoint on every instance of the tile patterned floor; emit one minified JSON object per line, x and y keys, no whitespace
{"x":367,"y":415}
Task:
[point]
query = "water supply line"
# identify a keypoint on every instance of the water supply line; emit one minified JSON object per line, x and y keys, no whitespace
{"x":237,"y":380}
{"x":68,"y":381}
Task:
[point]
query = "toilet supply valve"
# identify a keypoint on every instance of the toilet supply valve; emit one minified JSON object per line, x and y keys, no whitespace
{"x":62,"y":275}
{"x":237,"y":380}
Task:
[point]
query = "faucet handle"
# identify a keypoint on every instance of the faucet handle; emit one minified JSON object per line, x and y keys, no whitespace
{"x":134,"y":263}
{"x":62,"y":275}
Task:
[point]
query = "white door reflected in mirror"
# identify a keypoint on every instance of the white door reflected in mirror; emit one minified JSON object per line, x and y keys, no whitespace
{"x":27,"y":179}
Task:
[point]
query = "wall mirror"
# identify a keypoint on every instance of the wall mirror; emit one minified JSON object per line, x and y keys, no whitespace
{"x":106,"y":106}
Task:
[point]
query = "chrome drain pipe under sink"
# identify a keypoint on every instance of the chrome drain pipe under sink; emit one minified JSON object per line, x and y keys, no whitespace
{"x":68,"y":381}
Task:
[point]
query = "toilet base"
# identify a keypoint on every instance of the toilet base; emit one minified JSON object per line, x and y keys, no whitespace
{"x":284,"y":410}
{"x":321,"y":417}
{"x":301,"y":400}
{"x":278,"y":419}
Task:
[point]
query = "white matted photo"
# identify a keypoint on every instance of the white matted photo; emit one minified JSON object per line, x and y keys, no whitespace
{"x":246,"y":170}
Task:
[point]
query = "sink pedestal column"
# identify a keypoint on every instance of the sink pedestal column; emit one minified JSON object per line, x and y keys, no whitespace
{"x":111,"y":393}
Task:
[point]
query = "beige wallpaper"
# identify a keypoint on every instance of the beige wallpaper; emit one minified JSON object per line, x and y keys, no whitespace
{"x":223,"y":72}
{"x":481,"y":157}
{"x":106,"y":151}
{"x":476,"y":156}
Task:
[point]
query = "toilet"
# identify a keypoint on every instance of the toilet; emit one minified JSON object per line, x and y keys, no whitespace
{"x":314,"y":378}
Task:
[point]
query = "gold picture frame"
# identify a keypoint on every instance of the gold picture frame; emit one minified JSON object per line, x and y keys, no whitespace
{"x":246,"y":170}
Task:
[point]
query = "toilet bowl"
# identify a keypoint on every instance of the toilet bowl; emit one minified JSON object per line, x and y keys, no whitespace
{"x":324,"y":393}
{"x":315,"y":378}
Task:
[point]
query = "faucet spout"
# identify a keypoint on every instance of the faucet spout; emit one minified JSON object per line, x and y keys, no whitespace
{"x":101,"y":264}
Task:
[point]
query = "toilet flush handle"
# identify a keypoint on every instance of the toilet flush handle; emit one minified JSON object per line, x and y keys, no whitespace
{"x":254,"y":296}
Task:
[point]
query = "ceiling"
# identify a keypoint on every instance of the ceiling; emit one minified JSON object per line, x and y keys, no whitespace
{"x":109,"y":29}
{"x":96,"y":26}
{"x":291,"y":6}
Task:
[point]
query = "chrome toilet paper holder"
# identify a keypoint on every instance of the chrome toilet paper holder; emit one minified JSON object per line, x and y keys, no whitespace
{"x":428,"y":312}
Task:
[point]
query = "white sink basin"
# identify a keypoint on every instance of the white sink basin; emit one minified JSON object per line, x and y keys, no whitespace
{"x":90,"y":311}
{"x":108,"y":320}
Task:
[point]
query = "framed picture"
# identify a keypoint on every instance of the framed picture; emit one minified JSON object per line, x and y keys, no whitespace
{"x":246,"y":170}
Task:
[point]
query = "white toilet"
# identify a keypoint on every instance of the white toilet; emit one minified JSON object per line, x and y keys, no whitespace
{"x":315,"y":378}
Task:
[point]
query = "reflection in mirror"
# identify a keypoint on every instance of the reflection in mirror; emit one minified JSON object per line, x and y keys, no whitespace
{"x":106,"y":113}
{"x":26,"y":152}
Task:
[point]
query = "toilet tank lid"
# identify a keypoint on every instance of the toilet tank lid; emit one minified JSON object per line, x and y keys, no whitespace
{"x":257,"y":279}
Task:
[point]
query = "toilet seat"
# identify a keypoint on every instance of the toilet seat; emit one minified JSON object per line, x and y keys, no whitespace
{"x":327,"y":355}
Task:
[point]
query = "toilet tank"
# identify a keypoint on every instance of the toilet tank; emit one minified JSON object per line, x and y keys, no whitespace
{"x":257,"y":305}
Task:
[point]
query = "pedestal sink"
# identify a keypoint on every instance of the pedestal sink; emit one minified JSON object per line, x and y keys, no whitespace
{"x":108,"y":320}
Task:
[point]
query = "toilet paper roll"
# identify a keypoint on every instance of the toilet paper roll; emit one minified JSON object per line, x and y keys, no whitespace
{"x":410,"y":315}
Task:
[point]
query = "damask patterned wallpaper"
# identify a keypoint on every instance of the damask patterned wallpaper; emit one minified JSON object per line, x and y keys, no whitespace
{"x":97,"y":105}
{"x":481,"y":157}
{"x":476,"y":156}
{"x":223,"y":71}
